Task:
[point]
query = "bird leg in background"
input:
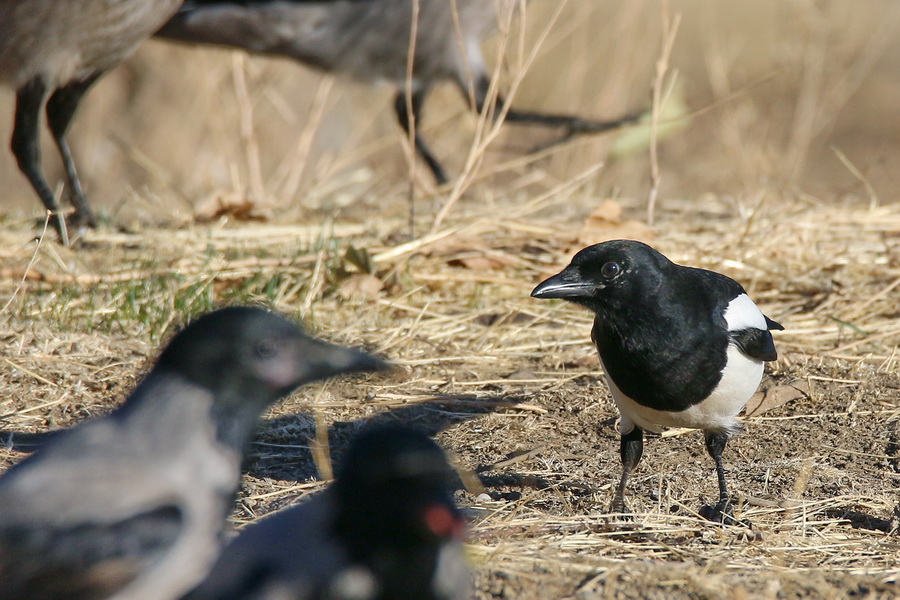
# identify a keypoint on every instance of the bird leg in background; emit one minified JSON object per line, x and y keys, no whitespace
{"x":26,"y":148}
{"x":571,"y":124}
{"x":60,"y":109}
{"x":631,"y":448}
{"x":723,"y":511}
{"x":403,"y":116}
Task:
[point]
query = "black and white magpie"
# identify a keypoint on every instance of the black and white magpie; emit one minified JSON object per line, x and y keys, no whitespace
{"x":679,"y":346}
{"x":133,"y":504}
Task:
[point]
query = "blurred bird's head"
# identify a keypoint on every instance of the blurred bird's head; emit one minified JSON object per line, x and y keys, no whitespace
{"x":609,"y":277}
{"x":250,"y":355}
{"x":394,"y":488}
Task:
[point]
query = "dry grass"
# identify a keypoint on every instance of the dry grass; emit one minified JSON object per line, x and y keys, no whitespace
{"x":497,"y":374}
{"x":509,"y":384}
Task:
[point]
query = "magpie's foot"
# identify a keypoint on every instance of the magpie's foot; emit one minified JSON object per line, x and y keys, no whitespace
{"x":723,"y":513}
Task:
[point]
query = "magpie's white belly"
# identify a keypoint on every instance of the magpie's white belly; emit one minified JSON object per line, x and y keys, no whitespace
{"x":740,"y":378}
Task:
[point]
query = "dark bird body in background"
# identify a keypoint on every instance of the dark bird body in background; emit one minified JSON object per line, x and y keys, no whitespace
{"x":55,"y":51}
{"x":369,"y":40}
{"x":387,"y":529}
{"x":134,"y":503}
{"x":680,"y":346}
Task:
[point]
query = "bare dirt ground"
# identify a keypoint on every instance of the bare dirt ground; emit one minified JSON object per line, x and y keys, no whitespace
{"x":785,"y":179}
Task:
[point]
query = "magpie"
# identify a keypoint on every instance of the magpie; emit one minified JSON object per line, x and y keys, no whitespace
{"x":55,"y":51}
{"x":133,"y":505}
{"x":386,"y":529}
{"x":679,"y":347}
{"x":370,"y":41}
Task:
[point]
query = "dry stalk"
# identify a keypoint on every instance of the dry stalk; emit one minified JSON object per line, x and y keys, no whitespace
{"x":248,"y":131}
{"x":491,"y":120}
{"x":296,"y":163}
{"x":669,"y":32}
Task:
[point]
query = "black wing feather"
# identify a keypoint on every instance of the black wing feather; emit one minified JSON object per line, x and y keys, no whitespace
{"x":755,"y":343}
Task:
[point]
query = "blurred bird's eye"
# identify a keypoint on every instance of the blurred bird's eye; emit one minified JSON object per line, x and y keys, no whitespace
{"x":610,"y":269}
{"x":266,"y":349}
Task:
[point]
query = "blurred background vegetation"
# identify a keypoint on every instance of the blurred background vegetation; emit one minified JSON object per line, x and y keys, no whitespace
{"x":783,"y":98}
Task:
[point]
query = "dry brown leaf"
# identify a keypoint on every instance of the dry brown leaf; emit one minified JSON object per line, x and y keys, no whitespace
{"x":776,"y":396}
{"x":610,"y":211}
{"x":453,"y":244}
{"x":606,"y":223}
{"x":233,"y":207}
{"x":587,"y":361}
{"x":360,"y":285}
{"x":470,"y":253}
{"x":480,"y":263}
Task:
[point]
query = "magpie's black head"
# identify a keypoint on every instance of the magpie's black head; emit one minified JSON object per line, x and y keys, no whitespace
{"x":247,"y":354}
{"x":610,"y":276}
{"x":394,"y":492}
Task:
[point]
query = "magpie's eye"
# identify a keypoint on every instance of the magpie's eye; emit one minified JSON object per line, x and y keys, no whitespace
{"x":610,"y":269}
{"x":266,"y":349}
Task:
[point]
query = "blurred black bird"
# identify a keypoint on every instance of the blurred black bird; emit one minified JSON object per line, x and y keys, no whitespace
{"x":680,"y":347}
{"x":369,"y":40}
{"x":55,"y":51}
{"x":387,"y":529}
{"x":133,"y":504}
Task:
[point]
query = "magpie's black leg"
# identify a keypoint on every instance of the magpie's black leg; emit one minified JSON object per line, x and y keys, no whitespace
{"x":571,"y":124}
{"x":631,"y":448}
{"x":26,"y":148}
{"x":61,"y":108}
{"x":723,"y":511}
{"x":405,"y":120}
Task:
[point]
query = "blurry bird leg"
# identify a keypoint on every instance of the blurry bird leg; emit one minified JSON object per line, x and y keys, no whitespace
{"x":631,"y":448}
{"x":571,"y":125}
{"x":408,"y":120}
{"x":25,"y":147}
{"x":589,"y":127}
{"x":60,"y":109}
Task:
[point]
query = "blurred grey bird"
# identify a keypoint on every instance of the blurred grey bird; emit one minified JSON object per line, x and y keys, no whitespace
{"x":369,"y":40}
{"x":387,"y":529}
{"x":133,"y":505}
{"x":55,"y":51}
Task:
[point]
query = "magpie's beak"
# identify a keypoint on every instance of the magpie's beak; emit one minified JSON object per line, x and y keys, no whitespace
{"x":563,"y":285}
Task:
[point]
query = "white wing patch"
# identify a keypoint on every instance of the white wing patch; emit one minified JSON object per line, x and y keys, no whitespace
{"x":742,"y":313}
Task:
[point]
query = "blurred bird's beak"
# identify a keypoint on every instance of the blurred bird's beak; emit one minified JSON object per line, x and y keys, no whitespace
{"x":313,"y":360}
{"x":562,"y":286}
{"x":350,"y":360}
